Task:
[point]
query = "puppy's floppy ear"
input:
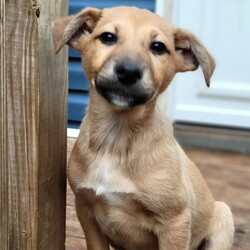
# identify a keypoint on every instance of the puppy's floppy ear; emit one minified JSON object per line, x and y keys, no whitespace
{"x":191,"y":54}
{"x":69,"y":30}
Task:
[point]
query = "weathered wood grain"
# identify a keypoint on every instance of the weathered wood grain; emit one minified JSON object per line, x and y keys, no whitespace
{"x":53,"y":130}
{"x":33,"y":128}
{"x":3,"y":134}
{"x":74,"y":243}
{"x":226,"y":173}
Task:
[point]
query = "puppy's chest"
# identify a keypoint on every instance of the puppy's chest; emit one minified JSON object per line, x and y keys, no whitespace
{"x":106,"y":178}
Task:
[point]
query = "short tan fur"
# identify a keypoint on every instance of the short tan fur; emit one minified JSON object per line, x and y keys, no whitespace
{"x":135,"y":187}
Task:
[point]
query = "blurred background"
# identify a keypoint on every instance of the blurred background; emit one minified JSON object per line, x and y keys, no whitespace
{"x":212,"y":124}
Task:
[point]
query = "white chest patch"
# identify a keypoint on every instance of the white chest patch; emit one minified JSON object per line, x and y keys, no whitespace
{"x":107,"y":179}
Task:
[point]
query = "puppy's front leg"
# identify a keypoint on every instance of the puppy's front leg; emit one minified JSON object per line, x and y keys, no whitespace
{"x":94,"y":237}
{"x":175,"y":233}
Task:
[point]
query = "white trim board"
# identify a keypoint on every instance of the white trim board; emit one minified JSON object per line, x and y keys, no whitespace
{"x":73,"y":133}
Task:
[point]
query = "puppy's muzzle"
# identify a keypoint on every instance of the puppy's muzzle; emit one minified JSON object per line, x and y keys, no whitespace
{"x":124,"y":83}
{"x":128,"y":73}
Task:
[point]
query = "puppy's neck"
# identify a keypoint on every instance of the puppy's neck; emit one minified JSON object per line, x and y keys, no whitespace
{"x":112,"y":128}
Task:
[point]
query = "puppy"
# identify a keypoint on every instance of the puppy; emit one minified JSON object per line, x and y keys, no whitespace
{"x":135,"y":187}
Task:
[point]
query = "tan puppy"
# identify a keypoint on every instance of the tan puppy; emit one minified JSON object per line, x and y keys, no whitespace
{"x":135,"y":188}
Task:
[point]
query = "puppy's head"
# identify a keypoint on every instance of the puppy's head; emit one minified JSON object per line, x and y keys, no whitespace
{"x":130,"y":55}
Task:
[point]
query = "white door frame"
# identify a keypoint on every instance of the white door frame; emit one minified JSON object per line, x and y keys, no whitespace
{"x":227,"y":101}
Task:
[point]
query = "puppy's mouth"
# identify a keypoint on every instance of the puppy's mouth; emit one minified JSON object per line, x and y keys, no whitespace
{"x":121,"y":95}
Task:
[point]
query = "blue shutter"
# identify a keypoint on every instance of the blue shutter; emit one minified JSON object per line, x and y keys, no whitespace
{"x":78,"y":84}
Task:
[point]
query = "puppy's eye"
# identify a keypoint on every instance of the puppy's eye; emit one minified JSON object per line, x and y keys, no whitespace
{"x":108,"y":38}
{"x":158,"y":48}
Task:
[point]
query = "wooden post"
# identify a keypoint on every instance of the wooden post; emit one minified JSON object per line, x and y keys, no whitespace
{"x":33,"y":124}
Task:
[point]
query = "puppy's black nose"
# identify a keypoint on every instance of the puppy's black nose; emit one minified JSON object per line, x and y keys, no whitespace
{"x":128,"y":72}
